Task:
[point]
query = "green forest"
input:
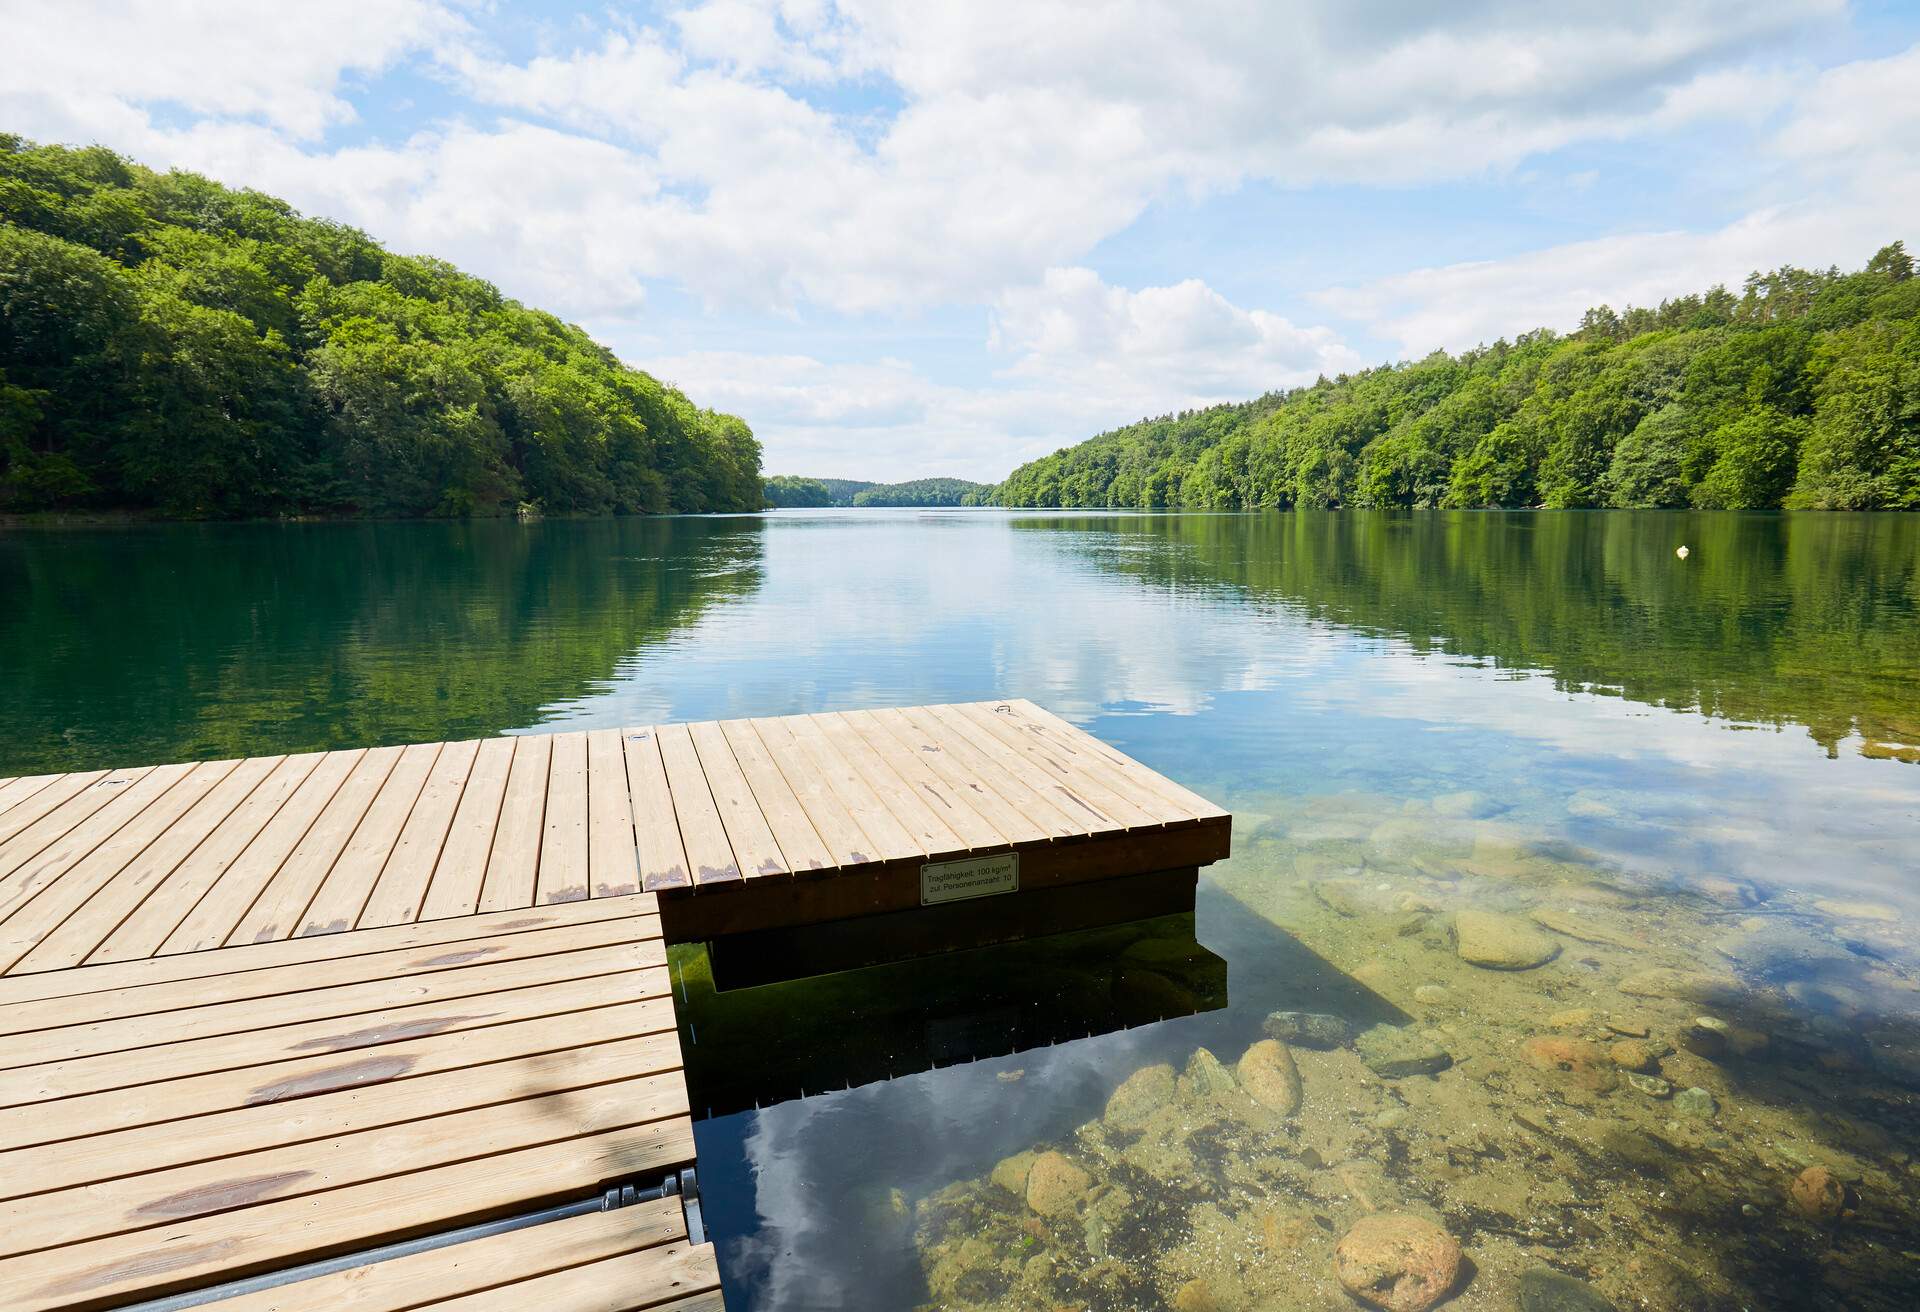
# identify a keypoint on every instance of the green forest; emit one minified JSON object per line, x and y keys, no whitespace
{"x":171,"y":345}
{"x":790,"y":490}
{"x":1802,"y":391}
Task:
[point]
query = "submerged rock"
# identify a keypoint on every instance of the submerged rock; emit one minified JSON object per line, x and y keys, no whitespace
{"x":1684,"y":985}
{"x":1725,"y":891}
{"x":1486,"y":938}
{"x":1651,"y":1085}
{"x":1695,"y":1102}
{"x":1309,"y":1029}
{"x":1587,"y":931}
{"x":1842,"y":909}
{"x":1139,"y":1096}
{"x":1782,"y":951}
{"x":1466,"y":806}
{"x":1542,"y":1289}
{"x":1393,"y":1053}
{"x":1270,"y":1078}
{"x":1205,"y":1077}
{"x":1817,"y":1192}
{"x":1055,"y":1185}
{"x":1400,"y":1263}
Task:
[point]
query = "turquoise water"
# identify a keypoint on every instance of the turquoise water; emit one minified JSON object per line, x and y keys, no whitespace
{"x":1695,"y":781}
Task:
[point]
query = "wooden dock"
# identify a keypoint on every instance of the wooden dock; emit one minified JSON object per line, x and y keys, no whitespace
{"x":256,"y":1014}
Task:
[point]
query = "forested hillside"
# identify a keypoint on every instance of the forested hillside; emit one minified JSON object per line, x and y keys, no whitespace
{"x":925,"y":492}
{"x":789,"y":490}
{"x":170,"y":344}
{"x":1803,"y":390}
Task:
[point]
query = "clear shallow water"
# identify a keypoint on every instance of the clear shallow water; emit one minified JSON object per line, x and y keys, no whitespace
{"x":1700,"y":771}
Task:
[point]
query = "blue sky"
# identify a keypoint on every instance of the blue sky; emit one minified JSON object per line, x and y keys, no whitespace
{"x":907,"y":239}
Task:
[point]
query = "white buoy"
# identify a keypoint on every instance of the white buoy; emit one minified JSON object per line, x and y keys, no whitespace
{"x":1682,"y":553}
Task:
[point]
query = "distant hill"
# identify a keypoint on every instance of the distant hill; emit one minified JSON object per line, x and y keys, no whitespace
{"x":1801,"y":389}
{"x":792,"y":490}
{"x":171,"y":345}
{"x":925,"y":492}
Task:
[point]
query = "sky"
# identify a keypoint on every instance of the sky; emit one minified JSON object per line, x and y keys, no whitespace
{"x":908,"y":239}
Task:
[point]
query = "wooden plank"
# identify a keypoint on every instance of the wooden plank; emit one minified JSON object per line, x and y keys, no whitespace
{"x":671,"y":1278}
{"x":204,"y":995}
{"x":342,"y":895}
{"x":264,"y":956}
{"x":94,"y":906}
{"x":596,"y":979}
{"x":887,"y":837}
{"x":108,"y":1036}
{"x":1151,"y":791}
{"x":977,"y":789}
{"x":945,"y":747}
{"x":563,"y":840}
{"x":108,"y":1271}
{"x":612,"y":864}
{"x":832,"y":822}
{"x":125,"y":1163}
{"x":131,"y":1204}
{"x":709,"y":855}
{"x":402,"y":887}
{"x":514,"y":863}
{"x":44,"y":892}
{"x":462,"y":868}
{"x":800,"y":845}
{"x":28,"y":812}
{"x":663,"y":857}
{"x":21,"y":788}
{"x":1073,"y":803}
{"x":929,"y":832}
{"x":1088,"y":783}
{"x":216,"y":916}
{"x":144,"y":931}
{"x":39,"y":852}
{"x":276,"y":913}
{"x":187,"y":1092}
{"x":1199,"y":806}
{"x":496,"y":1262}
{"x":958,"y":808}
{"x":748,"y":833}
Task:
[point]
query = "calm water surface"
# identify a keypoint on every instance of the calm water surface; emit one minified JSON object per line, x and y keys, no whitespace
{"x":1693,"y":787}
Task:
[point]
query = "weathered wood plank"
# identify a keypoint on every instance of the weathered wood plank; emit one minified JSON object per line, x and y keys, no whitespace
{"x":563,"y":841}
{"x":402,"y":885}
{"x":146,"y":929}
{"x":1148,"y":789}
{"x":112,"y":976}
{"x":887,"y":838}
{"x":513,"y":866}
{"x":671,"y":1278}
{"x":929,"y":832}
{"x":710,"y":856}
{"x":994,"y":719}
{"x":462,"y":867}
{"x":277,"y":911}
{"x":468,"y":1004}
{"x":31,"y":811}
{"x":800,"y":845}
{"x":1070,"y":801}
{"x":39,"y":853}
{"x":500,"y":1263}
{"x":19,"y":789}
{"x":343,"y":894}
{"x":748,"y":832}
{"x":176,"y":826}
{"x":663,"y":857}
{"x":613,"y":865}
{"x":957,"y":782}
{"x":211,"y":921}
{"x":114,"y":1269}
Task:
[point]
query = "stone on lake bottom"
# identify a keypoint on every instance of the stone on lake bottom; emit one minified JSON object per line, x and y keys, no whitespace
{"x":1487,"y":938}
{"x":1309,"y":1029}
{"x":1055,"y":1185}
{"x":1695,"y":1102}
{"x":1651,"y":1085}
{"x":1139,"y":1096}
{"x":1205,"y":1076}
{"x":1542,"y":1289}
{"x":1818,"y":1193}
{"x":1400,"y":1263}
{"x":1270,"y":1078}
{"x":1394,"y":1053}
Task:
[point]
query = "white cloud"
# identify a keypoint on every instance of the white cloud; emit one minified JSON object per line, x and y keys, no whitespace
{"x":1839,"y":179}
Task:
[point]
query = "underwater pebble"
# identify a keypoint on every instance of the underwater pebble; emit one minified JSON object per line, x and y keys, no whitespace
{"x":1578,"y":927}
{"x":1846,"y":910}
{"x":1487,"y":938}
{"x":1055,"y":1185}
{"x":1651,"y":1085}
{"x":1393,"y":1053}
{"x":1431,"y":995}
{"x":1308,"y":1029}
{"x":1139,"y":1096}
{"x":1401,"y":1263}
{"x":1466,"y":806}
{"x":1818,"y":1193}
{"x":1542,"y":1289}
{"x":1684,"y":985}
{"x":1695,"y":1102}
{"x":1205,"y":1077}
{"x":1572,"y":1018}
{"x":1270,"y":1078}
{"x":1727,"y":892}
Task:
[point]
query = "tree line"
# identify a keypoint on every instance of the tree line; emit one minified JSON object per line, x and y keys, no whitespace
{"x":789,"y":490}
{"x":173,"y":345}
{"x":1802,"y":391}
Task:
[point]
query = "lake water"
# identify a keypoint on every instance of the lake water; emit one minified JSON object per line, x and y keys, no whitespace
{"x":1693,"y":785}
